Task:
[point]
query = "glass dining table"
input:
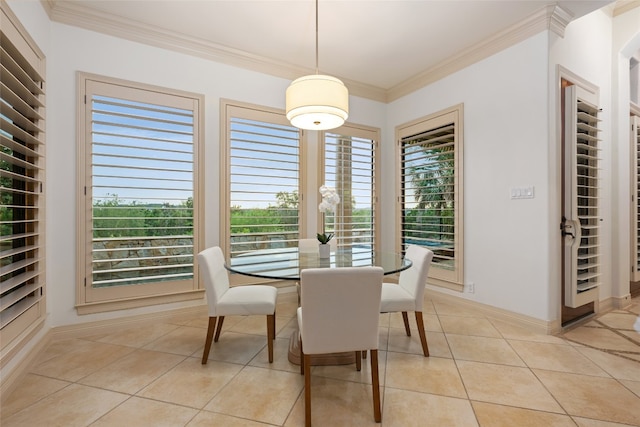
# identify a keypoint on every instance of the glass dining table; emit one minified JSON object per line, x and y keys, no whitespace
{"x":287,"y":263}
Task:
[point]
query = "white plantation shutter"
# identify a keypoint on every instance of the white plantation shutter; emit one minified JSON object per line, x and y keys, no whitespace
{"x":582,"y":222}
{"x":22,"y":109}
{"x":430,"y":153}
{"x":264,"y":166}
{"x":351,"y":168}
{"x":140,"y":190}
{"x":635,"y":211}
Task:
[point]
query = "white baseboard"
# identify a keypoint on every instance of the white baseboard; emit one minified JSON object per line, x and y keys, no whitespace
{"x":530,"y":323}
{"x":619,"y":303}
{"x":11,"y":379}
{"x":112,"y":325}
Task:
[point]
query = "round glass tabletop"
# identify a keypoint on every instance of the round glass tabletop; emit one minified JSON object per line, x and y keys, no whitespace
{"x":286,"y":263}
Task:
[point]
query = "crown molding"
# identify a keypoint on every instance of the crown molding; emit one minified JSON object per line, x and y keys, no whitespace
{"x":552,"y":18}
{"x":559,"y":19}
{"x":75,"y":14}
{"x":624,"y":6}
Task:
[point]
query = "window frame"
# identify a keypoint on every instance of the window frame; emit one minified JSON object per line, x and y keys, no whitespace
{"x":451,"y":279}
{"x":228,"y":110}
{"x":361,"y":132}
{"x":88,"y":299}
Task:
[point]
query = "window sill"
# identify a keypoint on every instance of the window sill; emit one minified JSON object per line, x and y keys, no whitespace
{"x":115,"y":305}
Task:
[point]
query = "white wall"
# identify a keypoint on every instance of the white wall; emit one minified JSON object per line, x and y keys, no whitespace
{"x":512,"y":247}
{"x":509,"y":131}
{"x":505,"y":145}
{"x":626,"y":44}
{"x":73,"y":49}
{"x":585,"y":50}
{"x":634,"y":74}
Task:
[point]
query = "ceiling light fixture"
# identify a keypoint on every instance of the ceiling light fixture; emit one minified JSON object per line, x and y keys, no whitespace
{"x":316,"y":101}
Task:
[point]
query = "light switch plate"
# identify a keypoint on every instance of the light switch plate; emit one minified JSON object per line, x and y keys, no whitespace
{"x":522,"y":192}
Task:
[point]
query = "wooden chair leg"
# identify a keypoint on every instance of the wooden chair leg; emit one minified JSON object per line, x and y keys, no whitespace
{"x":423,"y":335}
{"x":219,"y":328}
{"x":405,"y":318}
{"x":375,"y":380}
{"x":307,"y":390}
{"x":207,"y":343}
{"x":271,"y":333}
{"x":301,"y":356}
{"x":274,"y":325}
{"x":358,"y":361}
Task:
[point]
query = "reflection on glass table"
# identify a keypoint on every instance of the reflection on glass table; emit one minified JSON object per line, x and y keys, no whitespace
{"x":286,"y":263}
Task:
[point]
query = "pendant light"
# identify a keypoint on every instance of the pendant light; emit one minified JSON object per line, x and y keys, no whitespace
{"x":316,"y":101}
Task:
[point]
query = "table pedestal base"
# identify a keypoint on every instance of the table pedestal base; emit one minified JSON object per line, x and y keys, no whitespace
{"x":319,"y":359}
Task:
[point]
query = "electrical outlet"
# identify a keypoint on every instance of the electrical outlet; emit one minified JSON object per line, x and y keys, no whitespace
{"x":470,"y":287}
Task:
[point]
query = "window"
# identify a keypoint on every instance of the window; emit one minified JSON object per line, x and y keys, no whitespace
{"x":430,"y":189}
{"x":22,"y":257}
{"x":261,"y":176}
{"x":350,"y":166}
{"x":140,"y":219}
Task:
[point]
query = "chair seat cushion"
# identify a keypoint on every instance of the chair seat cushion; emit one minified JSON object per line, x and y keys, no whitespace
{"x":248,"y":300}
{"x":395,"y":298}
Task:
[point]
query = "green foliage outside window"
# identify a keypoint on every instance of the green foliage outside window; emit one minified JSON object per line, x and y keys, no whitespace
{"x":113,"y":218}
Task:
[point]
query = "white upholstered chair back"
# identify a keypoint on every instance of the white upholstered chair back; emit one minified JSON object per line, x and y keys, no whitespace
{"x":239,"y":300}
{"x":215,"y":276}
{"x":340,"y":312}
{"x":408,"y":294}
{"x":340,"y":309}
{"x":308,"y":245}
{"x":414,"y":279}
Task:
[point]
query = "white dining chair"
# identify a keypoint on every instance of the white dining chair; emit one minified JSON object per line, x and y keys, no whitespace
{"x":238,"y":300}
{"x":408,"y":294}
{"x":308,"y":245}
{"x":340,"y":312}
{"x":311,"y":245}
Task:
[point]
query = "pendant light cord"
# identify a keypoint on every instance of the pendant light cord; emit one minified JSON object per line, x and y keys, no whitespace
{"x":316,"y":36}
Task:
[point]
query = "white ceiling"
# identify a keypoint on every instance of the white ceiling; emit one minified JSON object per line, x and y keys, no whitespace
{"x":376,"y":47}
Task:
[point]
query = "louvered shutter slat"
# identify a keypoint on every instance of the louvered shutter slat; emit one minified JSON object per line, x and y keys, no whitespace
{"x":264,"y":183}
{"x":141,"y":188}
{"x":429,"y":180}
{"x":582,"y":202}
{"x":350,"y":167}
{"x":22,"y":104}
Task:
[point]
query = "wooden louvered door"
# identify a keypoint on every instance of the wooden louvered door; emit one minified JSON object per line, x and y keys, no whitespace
{"x":634,"y":155}
{"x":581,"y":216}
{"x":635,"y":205}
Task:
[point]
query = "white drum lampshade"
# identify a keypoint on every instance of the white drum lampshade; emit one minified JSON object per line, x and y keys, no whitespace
{"x":317,"y":102}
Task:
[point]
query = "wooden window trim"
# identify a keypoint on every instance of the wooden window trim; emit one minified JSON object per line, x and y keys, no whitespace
{"x":363,"y":132}
{"x":228,"y":109}
{"x":144,"y":295}
{"x":453,"y":279}
{"x":25,"y":313}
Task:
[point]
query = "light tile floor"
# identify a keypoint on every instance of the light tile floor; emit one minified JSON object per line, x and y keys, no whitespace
{"x":482,"y":372}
